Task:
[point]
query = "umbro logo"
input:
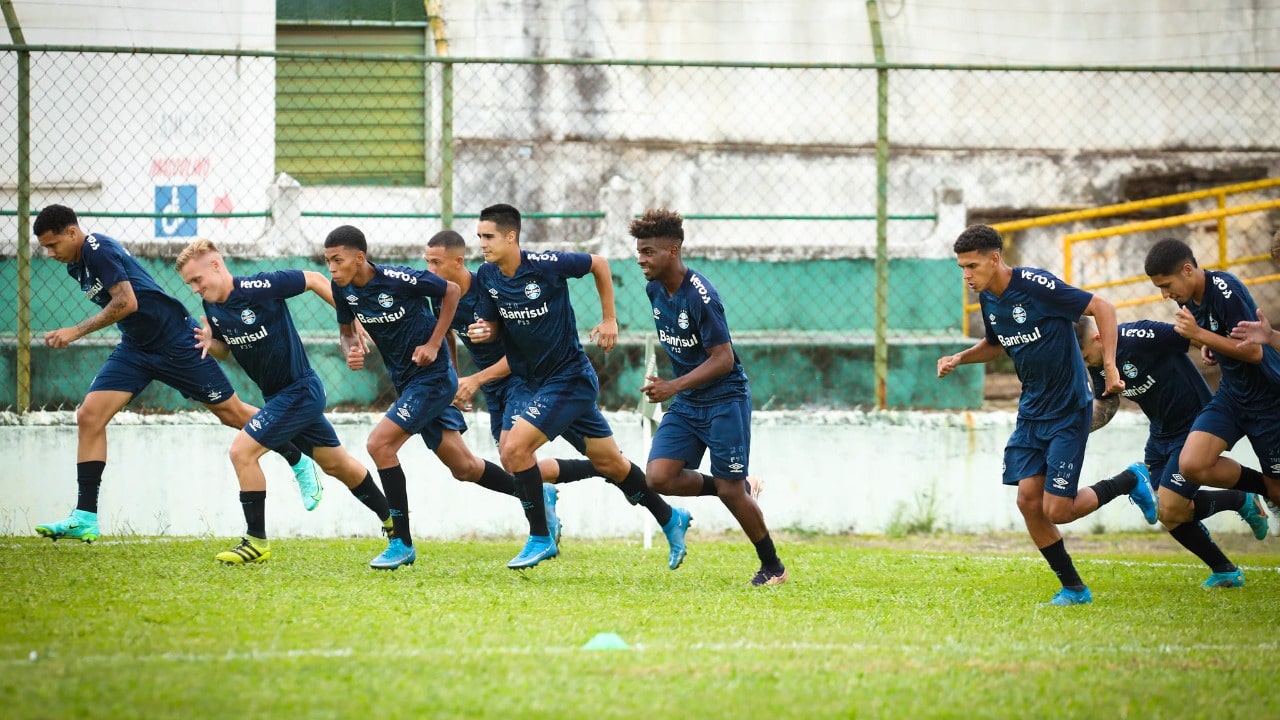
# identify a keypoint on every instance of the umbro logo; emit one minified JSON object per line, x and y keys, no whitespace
{"x":352,"y":299}
{"x":404,"y":412}
{"x":736,"y":467}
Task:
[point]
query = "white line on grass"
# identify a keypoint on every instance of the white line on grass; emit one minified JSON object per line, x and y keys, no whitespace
{"x":1083,"y":560}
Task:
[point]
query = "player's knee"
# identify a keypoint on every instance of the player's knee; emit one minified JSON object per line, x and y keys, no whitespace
{"x":1060,"y":514}
{"x":1172,"y":516}
{"x":241,"y":456}
{"x":731,"y":491}
{"x":382,"y":453}
{"x":515,"y":459}
{"x":613,"y":465}
{"x":1030,"y":505}
{"x":89,"y":418}
{"x":659,"y":481}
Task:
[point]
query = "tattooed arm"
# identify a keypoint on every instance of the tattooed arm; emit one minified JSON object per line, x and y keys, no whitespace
{"x":1104,"y":409}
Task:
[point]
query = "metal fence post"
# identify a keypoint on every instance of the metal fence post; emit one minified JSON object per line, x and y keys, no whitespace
{"x":23,"y":350}
{"x":446,"y":145}
{"x":882,"y":211}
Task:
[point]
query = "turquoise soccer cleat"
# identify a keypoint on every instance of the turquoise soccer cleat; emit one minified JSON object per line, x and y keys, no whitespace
{"x":307,"y":475}
{"x":675,"y":530}
{"x":537,"y":549}
{"x":1067,"y":596}
{"x":79,"y":525}
{"x":396,"y":555}
{"x":1254,"y":513}
{"x":549,"y":497}
{"x":1233,"y":579}
{"x":1142,"y":495}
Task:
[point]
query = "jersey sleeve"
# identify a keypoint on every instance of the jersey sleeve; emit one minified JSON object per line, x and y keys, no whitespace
{"x":1231,"y":301}
{"x":1163,"y":337}
{"x":273,"y":285}
{"x":988,"y":332}
{"x":1098,"y":381}
{"x":712,"y":326}
{"x":564,"y":264}
{"x":103,"y":261}
{"x":340,"y":306}
{"x":214,"y":329}
{"x":1054,"y":297}
{"x":486,"y":308}
{"x":424,"y":284}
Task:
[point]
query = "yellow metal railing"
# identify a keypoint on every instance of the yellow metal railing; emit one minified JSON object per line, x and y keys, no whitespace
{"x":1220,"y":214}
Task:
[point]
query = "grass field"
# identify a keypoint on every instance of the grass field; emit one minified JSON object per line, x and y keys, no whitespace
{"x":868,"y":627}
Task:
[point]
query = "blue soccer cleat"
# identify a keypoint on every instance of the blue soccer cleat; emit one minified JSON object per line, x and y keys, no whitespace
{"x":1142,"y":495}
{"x":1067,"y":596}
{"x":675,"y":530}
{"x":1233,"y":579}
{"x":79,"y":525}
{"x":307,"y":475}
{"x":1255,"y":514}
{"x":549,"y":497}
{"x":537,"y":549}
{"x":396,"y":555}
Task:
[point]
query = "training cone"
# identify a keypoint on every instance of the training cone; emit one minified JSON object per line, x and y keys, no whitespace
{"x":606,"y":641}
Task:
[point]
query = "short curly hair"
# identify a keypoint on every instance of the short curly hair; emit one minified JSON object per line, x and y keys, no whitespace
{"x":658,"y":223}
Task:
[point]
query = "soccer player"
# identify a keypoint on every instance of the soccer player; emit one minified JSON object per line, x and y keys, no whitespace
{"x":391,"y":303}
{"x":248,"y":317}
{"x":1247,"y":403}
{"x":526,"y":292}
{"x":1164,"y":382}
{"x":446,"y":257}
{"x":155,"y":344}
{"x":711,"y":409}
{"x":1029,"y":313}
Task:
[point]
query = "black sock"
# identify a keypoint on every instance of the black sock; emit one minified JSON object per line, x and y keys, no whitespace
{"x":638,"y":493}
{"x":1251,"y":481}
{"x":708,"y":487}
{"x":1211,"y":502}
{"x":290,"y":453}
{"x":529,"y":484}
{"x":254,"y":504}
{"x":1113,"y":487}
{"x":498,"y":480}
{"x":767,"y":554}
{"x":1194,"y":536}
{"x":575,"y":470}
{"x":393,"y":484}
{"x":89,"y":481}
{"x":1060,"y":562}
{"x":368,"y":493}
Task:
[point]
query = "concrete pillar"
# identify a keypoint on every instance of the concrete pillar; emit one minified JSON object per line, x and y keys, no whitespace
{"x":620,"y":202}
{"x":284,"y":234}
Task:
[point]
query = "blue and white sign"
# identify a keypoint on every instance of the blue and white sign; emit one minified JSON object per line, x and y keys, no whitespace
{"x":175,"y":199}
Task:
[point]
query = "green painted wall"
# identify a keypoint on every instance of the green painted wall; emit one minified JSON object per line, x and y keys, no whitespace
{"x":801,"y":328}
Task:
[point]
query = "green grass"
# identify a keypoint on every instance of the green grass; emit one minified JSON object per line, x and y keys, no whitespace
{"x":868,"y":627}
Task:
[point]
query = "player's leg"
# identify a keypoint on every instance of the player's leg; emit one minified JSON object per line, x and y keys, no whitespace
{"x":602,"y":450}
{"x":1182,"y":508}
{"x":236,"y":413}
{"x":333,"y":458}
{"x":1064,"y":458}
{"x":383,"y":445}
{"x":253,"y":547}
{"x":1217,"y":429}
{"x":728,"y":437}
{"x":519,"y":445}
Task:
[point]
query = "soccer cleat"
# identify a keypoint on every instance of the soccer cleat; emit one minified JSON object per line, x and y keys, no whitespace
{"x":1233,"y":579}
{"x":250,"y":550}
{"x":1067,"y":596}
{"x":79,"y":525}
{"x":308,"y":477}
{"x":549,"y":497}
{"x":765,"y":577}
{"x":755,"y":486}
{"x":537,"y":549}
{"x":675,"y":530}
{"x":396,"y":555}
{"x":1253,"y":513}
{"x":1142,"y":495}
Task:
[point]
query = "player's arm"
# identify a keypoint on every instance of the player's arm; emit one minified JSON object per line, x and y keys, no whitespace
{"x":353,"y":345}
{"x":123,"y":304}
{"x":1256,"y":332}
{"x":426,"y":353}
{"x":718,"y":363}
{"x":467,"y":386}
{"x":605,"y":334}
{"x":320,"y":285}
{"x":208,"y":344}
{"x":1104,"y":408}
{"x":1185,"y":323}
{"x":1104,"y":316}
{"x":980,"y":352}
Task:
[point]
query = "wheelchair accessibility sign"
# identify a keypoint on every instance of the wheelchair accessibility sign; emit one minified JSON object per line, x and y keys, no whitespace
{"x":175,"y":200}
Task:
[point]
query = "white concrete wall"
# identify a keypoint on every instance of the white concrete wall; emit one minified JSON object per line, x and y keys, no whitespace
{"x":828,"y":472}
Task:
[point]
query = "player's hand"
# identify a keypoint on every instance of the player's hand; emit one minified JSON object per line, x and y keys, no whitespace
{"x":467,"y":387}
{"x":1207,"y":356}
{"x":363,"y":338}
{"x":1249,"y":332}
{"x":657,"y":389}
{"x":947,"y":363}
{"x":482,"y":331}
{"x":424,"y":354}
{"x":204,"y":337}
{"x":61,"y":337}
{"x":605,"y":335}
{"x":1115,"y":385}
{"x":1185,"y":323}
{"x":355,"y":356}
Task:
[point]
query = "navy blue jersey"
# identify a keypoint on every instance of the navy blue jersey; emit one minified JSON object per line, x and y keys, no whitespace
{"x":540,"y":331}
{"x":255,"y":323}
{"x":689,"y":322}
{"x":1227,"y":302}
{"x":160,"y":319}
{"x":482,"y":354}
{"x":1033,"y":320}
{"x":393,"y":307}
{"x":1158,"y":375}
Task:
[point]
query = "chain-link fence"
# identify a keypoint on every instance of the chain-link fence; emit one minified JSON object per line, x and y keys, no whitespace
{"x":774,"y":168}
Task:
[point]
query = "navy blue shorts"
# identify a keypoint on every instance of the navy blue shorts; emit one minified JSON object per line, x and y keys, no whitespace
{"x":563,"y":406}
{"x":686,"y":432}
{"x":1161,"y":458}
{"x":502,"y":414}
{"x":425,"y":407}
{"x":131,"y":369}
{"x":1052,"y":448}
{"x":1230,"y":421}
{"x":295,"y":413}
